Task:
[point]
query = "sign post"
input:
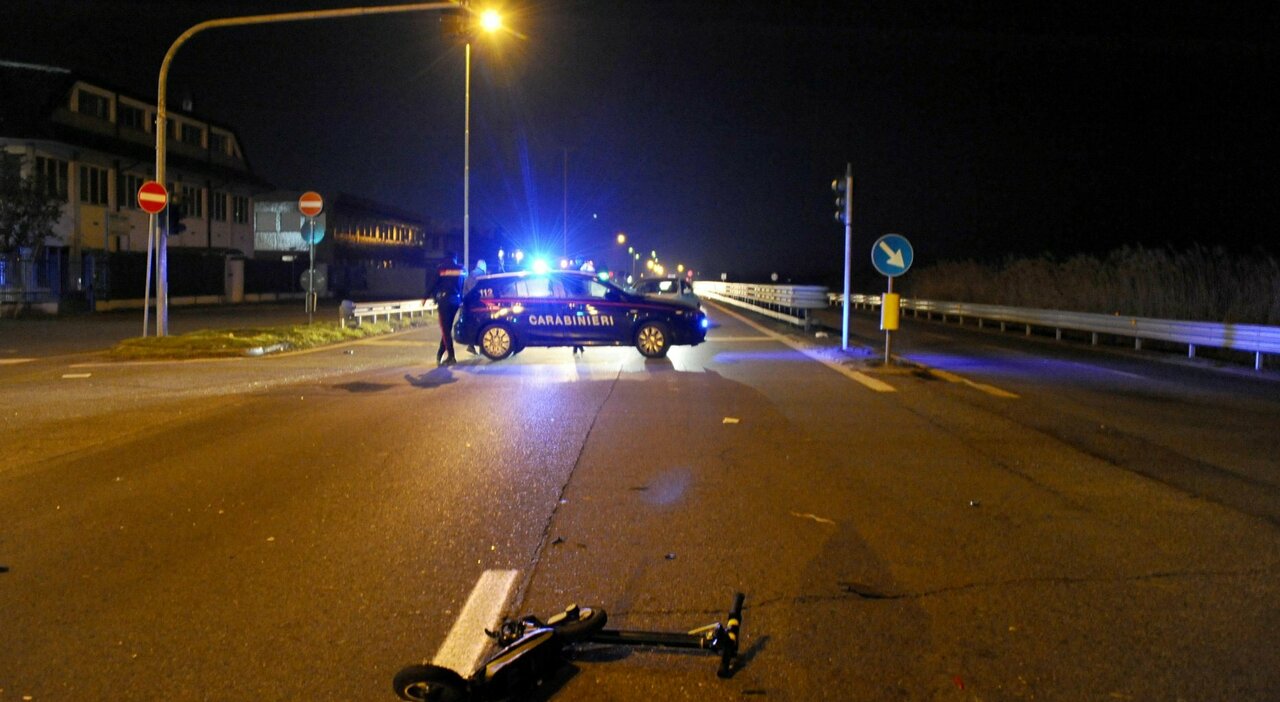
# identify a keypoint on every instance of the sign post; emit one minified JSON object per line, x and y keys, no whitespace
{"x":310,"y":205}
{"x":891,"y":255}
{"x":152,"y":198}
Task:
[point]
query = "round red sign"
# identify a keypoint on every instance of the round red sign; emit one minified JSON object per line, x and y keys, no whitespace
{"x":310,"y":203}
{"x":152,"y":197}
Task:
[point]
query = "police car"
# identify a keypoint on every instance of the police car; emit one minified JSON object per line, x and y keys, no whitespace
{"x":506,"y":312}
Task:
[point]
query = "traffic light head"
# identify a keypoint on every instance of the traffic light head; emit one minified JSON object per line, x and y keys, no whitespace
{"x":841,"y":187}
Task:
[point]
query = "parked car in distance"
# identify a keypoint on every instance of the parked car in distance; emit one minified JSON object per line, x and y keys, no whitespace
{"x":677,"y":289}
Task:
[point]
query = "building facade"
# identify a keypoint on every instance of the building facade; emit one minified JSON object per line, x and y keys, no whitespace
{"x":93,"y":146}
{"x":367,"y":249}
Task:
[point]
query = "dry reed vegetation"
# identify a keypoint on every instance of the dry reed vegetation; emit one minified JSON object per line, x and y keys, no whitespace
{"x":1198,"y":284}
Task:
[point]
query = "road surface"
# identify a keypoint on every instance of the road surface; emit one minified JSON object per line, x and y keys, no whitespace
{"x":1000,"y":522}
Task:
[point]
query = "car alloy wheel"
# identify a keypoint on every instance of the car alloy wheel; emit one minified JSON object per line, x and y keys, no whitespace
{"x":652,"y":340}
{"x":495,"y":342}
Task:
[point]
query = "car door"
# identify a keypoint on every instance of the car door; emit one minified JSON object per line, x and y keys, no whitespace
{"x":589,"y":321}
{"x":539,"y":314}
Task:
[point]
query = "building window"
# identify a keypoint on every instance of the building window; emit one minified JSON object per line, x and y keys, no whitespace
{"x":218,"y":206}
{"x":191,"y":134}
{"x":240,"y":209}
{"x":132,"y":117}
{"x":93,"y":185}
{"x":93,"y":104}
{"x":52,"y":174}
{"x":192,"y":201}
{"x":127,"y":189}
{"x":218,"y":143}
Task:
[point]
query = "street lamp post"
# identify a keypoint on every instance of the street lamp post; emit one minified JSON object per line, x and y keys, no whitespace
{"x":490,"y":21}
{"x":466,"y":167}
{"x":162,"y":273}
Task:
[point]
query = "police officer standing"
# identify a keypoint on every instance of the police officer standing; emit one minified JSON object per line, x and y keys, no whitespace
{"x":480,"y":269}
{"x":447,"y":292}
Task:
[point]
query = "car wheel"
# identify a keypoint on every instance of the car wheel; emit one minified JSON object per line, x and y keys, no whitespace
{"x":429,"y":683}
{"x":496,"y":342}
{"x":653,"y":340}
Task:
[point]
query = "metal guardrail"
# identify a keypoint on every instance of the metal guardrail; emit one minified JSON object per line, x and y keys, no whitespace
{"x":355,"y":311}
{"x":1257,"y":339}
{"x":789,"y":303}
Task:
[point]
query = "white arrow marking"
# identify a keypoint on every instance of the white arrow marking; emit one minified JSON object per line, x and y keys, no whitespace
{"x":895,"y":257}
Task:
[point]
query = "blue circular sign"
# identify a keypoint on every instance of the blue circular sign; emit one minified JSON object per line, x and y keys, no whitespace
{"x":891,"y":255}
{"x":312,"y":230}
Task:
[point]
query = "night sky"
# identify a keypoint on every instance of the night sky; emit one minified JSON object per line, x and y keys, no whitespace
{"x":711,"y":131}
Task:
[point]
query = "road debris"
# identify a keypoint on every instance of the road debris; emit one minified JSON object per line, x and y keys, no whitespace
{"x":814,"y":517}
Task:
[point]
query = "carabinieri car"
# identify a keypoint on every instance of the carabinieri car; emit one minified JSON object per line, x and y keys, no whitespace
{"x":506,"y":312}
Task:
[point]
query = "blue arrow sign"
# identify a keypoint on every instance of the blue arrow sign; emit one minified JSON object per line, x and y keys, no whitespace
{"x":312,"y":230}
{"x":891,"y":255}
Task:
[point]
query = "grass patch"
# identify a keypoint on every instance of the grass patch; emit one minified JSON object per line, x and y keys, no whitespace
{"x":224,"y":343}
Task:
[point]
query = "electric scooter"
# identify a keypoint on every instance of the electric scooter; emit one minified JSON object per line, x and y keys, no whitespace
{"x":531,"y":650}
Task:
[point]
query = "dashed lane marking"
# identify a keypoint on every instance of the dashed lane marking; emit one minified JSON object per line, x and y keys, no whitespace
{"x":731,"y":339}
{"x":467,"y":642}
{"x":14,"y":361}
{"x":856,"y":376}
{"x":989,"y":389}
{"x":77,"y":375}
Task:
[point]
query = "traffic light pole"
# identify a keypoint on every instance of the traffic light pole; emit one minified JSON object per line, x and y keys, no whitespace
{"x":162,"y":273}
{"x":848,"y":252}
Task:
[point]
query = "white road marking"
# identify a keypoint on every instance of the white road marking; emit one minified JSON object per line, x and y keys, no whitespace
{"x":727,"y":339}
{"x":77,"y":375}
{"x":856,"y":376}
{"x":12,"y":361}
{"x":989,"y":389}
{"x":467,"y":642}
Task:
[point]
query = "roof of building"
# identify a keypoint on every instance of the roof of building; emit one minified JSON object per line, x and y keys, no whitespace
{"x":32,"y":93}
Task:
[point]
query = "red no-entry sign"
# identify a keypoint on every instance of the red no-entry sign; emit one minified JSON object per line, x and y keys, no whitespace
{"x":152,"y":197}
{"x":310,"y":204}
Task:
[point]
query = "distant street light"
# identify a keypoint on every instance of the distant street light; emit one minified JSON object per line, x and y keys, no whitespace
{"x":622,"y":238}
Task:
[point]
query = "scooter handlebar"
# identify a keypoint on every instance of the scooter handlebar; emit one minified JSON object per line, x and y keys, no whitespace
{"x":732,"y":627}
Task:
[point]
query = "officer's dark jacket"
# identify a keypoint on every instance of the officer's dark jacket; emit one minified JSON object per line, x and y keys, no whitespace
{"x":449,"y":280}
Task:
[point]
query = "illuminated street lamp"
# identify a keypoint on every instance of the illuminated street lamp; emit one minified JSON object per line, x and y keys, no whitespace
{"x":622,"y":238}
{"x":518,"y":256}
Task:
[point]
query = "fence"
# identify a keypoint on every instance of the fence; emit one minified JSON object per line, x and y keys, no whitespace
{"x":1256,"y":339}
{"x":789,"y":303}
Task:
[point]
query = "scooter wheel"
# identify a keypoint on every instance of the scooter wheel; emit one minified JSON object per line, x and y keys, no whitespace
{"x":429,"y":683}
{"x":578,"y":623}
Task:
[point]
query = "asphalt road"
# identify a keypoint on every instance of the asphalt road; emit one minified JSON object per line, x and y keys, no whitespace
{"x":1007,"y":521}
